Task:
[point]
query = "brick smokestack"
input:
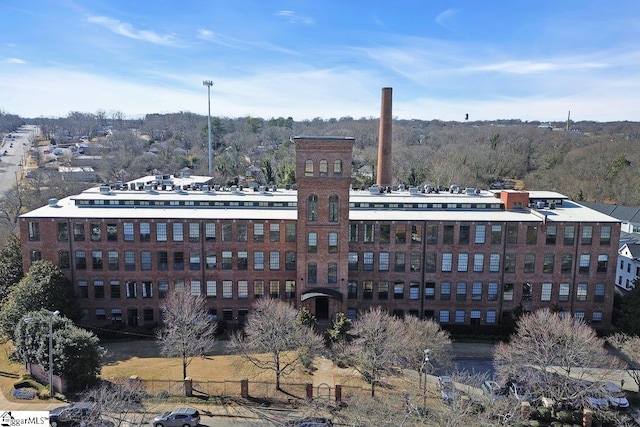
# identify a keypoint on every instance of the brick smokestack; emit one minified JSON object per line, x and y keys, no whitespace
{"x":384,"y":139}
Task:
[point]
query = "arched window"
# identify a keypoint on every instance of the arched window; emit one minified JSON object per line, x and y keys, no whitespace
{"x":333,"y":208}
{"x":323,"y":168}
{"x":308,"y":168}
{"x":312,"y":208}
{"x":337,"y":167}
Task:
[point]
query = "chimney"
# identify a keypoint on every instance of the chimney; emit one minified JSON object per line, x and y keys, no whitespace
{"x":384,"y":140}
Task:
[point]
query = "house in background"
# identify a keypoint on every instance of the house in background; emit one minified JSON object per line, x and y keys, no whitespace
{"x":628,"y":265}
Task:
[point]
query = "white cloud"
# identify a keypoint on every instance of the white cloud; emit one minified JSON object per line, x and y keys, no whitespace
{"x":294,"y":18}
{"x":127,"y":30}
{"x":526,"y":67}
{"x":444,"y":18}
{"x":15,"y":61}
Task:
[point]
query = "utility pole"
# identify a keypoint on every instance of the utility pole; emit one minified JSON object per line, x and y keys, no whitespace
{"x":208,"y":84}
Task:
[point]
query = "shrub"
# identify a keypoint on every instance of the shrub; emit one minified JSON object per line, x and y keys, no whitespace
{"x":25,"y":393}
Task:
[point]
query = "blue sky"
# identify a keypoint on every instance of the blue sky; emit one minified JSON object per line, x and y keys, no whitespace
{"x":523,"y":59}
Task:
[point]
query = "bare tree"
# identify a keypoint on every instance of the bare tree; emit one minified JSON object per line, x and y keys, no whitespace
{"x":120,"y":401}
{"x":272,"y":328}
{"x":628,"y":347}
{"x":556,"y":356}
{"x":421,"y":335}
{"x":187,"y":331}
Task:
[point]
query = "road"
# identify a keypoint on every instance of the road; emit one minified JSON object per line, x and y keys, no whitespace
{"x":16,"y":145}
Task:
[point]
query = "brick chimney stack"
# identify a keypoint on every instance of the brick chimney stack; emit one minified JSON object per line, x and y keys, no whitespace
{"x":383,"y":177}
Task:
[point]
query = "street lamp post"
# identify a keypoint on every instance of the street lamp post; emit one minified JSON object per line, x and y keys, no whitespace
{"x":208,"y":84}
{"x":424,"y":369}
{"x":31,"y":319}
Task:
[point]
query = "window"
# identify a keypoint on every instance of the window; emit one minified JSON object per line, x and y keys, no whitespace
{"x":401,"y":234}
{"x":598,"y":295}
{"x":512,"y":234}
{"x":447,"y":261}
{"x":432,"y":234}
{"x":36,"y":255}
{"x":242,"y":232}
{"x":178,"y":232}
{"x":211,"y":260}
{"x":385,"y":233}
{"x":569,"y":235}
{"x":398,"y":290}
{"x":163,"y":288}
{"x":460,"y":316}
{"x":312,"y":208}
{"x":416,"y":233}
{"x":368,"y":233}
{"x":227,"y":260}
{"x":605,"y":237}
{"x":290,"y":260}
{"x":552,"y":232}
{"x":194,"y":232}
{"x":274,"y":289}
{"x":414,"y":290}
{"x":481,"y":232}
{"x":312,"y":273}
{"x":274,"y":232}
{"x":584,"y":263}
{"x":64,"y":259}
{"x":290,"y":289}
{"x":445,"y":291}
{"x":290,"y":233}
{"x":465,"y":234}
{"x":368,"y":261}
{"x":163,"y":260}
{"x":491,"y":316}
{"x":114,"y":289}
{"x":415,"y":261}
{"x":98,"y":289}
{"x":145,"y":232}
{"x":332,"y":273}
{"x":63,"y":232}
{"x":463,"y":262}
{"x":161,"y":232}
{"x":581,"y":292}
{"x":352,"y":290}
{"x":545,"y":293}
{"x":337,"y":167}
{"x":527,"y":291}
{"x":596,"y":317}
{"x":145,"y":260}
{"x":587,"y":234}
{"x":243,"y":260}
{"x":323,"y":167}
{"x":131,"y":289}
{"x":603,"y":261}
{"x":333,"y":242}
{"x":353,"y":233}
{"x":547,"y":266}
{"x":258,"y":289}
{"x":210,"y":232}
{"x":243,"y":289}
{"x":116,"y":316}
{"x":496,"y":234}
{"x":101,"y":314}
{"x":178,"y":285}
{"x":83,"y":289}
{"x":147,"y":289}
{"x":227,"y":289}
{"x":430,"y":262}
{"x":312,"y":243}
{"x":367,"y":290}
{"x":566,"y":265}
{"x":507,"y":292}
{"x":478,"y":263}
{"x":333,"y":208}
{"x":430,"y":290}
{"x":383,"y":290}
{"x":227,"y":314}
{"x":510,"y":262}
{"x":34,"y":231}
{"x":494,"y":262}
{"x":400,"y":264}
{"x":78,"y":232}
{"x":113,"y":260}
{"x":178,"y":261}
{"x":128,"y":231}
{"x":274,"y":260}
{"x":308,"y":168}
{"x":492,"y":291}
{"x":529,"y":262}
{"x":81,"y":260}
{"x":444,"y":316}
{"x":476,"y":291}
{"x":353,"y":261}
{"x":112,"y":232}
{"x":383,"y":264}
{"x":447,"y":235}
{"x":563,"y":294}
{"x":461,"y":291}
{"x":96,"y":232}
{"x":212,"y":289}
{"x":227,"y":232}
{"x":148,"y":315}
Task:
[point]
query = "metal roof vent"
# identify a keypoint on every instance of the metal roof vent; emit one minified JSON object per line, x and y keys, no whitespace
{"x":470,"y":191}
{"x":53,"y":202}
{"x":414,"y":191}
{"x":375,"y":189}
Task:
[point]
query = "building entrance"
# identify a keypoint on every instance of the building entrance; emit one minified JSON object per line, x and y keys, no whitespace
{"x":322,"y":308}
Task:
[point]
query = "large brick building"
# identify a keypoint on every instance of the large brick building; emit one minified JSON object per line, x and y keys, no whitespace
{"x":460,"y":257}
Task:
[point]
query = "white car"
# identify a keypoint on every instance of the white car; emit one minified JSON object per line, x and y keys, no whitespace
{"x":615,"y":396}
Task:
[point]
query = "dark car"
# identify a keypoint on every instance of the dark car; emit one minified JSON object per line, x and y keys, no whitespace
{"x":179,"y":417}
{"x":71,"y":415}
{"x":310,"y":422}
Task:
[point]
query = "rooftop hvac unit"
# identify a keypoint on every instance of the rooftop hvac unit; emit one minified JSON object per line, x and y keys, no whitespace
{"x":105,"y":189}
{"x":262,"y":189}
{"x":149,"y":188}
{"x":470,"y":191}
{"x":53,"y":202}
{"x":552,"y":205}
{"x":234,"y":188}
{"x":205,"y":188}
{"x":414,"y":191}
{"x":540,"y":204}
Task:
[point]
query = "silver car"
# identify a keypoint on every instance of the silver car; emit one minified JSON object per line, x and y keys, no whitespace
{"x":179,"y":417}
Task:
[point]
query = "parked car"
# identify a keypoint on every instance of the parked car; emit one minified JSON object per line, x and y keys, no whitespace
{"x":615,"y":396}
{"x":447,"y":389}
{"x":73,"y":414}
{"x":310,"y":422}
{"x":179,"y":417}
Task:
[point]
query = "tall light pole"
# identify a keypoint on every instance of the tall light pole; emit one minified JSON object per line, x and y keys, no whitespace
{"x":208,"y":84}
{"x":31,"y":319}
{"x":424,"y":369}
